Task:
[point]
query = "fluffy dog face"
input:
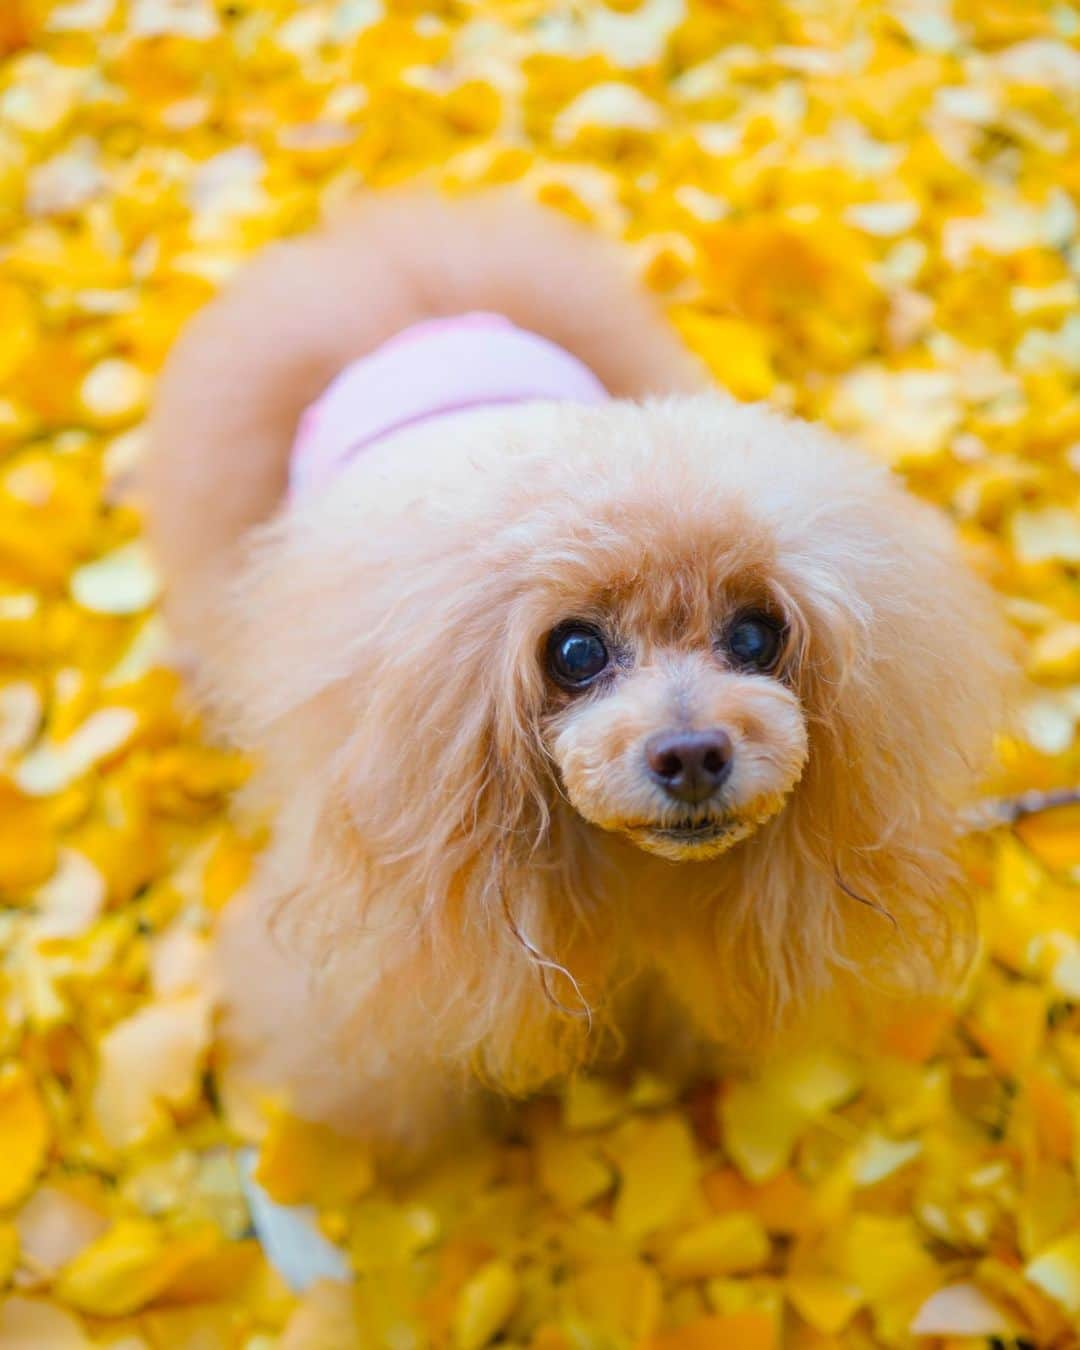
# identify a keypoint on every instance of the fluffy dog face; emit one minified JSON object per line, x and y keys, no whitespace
{"x":697,"y":627}
{"x":681,"y":731}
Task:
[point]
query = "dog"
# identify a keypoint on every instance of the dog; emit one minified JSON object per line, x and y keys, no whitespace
{"x":607,"y":719}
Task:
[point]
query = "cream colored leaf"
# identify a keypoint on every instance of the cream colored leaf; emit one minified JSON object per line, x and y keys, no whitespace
{"x":54,"y":1226}
{"x":122,"y":582}
{"x":961,"y":1310}
{"x":26,"y":1324}
{"x":150,"y":1061}
{"x":71,"y":899}
{"x":51,"y":767}
{"x":1056,"y":1271}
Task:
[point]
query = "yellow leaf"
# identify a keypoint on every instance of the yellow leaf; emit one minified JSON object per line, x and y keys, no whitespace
{"x":18,"y":328}
{"x":570,"y":1168}
{"x":129,"y":1266}
{"x":809,"y":280}
{"x":759,"y":1130}
{"x":1043,"y":1318}
{"x":1048,"y":1205}
{"x":591,"y":1103}
{"x":24,"y":1134}
{"x":216,"y":1272}
{"x":736,"y":352}
{"x":736,"y":1293}
{"x":484,"y":1306}
{"x":1053,"y":836}
{"x":723,"y":1246}
{"x":884,"y":1256}
{"x":623,"y":1295}
{"x":9,"y":1252}
{"x":227,"y":869}
{"x":1010,"y":1025}
{"x":763,"y":1117}
{"x":205,"y":1326}
{"x":301,"y":1161}
{"x":383,"y":1235}
{"x":827,"y":1302}
{"x":657,"y":1168}
{"x":814,"y":1082}
{"x":27,"y":844}
{"x":1056,"y":1271}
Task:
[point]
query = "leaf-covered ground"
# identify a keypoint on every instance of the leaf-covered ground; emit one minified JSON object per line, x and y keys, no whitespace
{"x":862,"y":211}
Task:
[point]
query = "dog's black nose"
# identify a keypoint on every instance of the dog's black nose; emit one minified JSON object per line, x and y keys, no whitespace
{"x":690,"y":765}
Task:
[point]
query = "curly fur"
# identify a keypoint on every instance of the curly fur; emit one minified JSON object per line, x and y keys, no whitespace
{"x":454,"y":894}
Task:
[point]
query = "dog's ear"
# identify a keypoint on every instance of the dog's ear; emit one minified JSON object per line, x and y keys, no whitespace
{"x":394,"y":676}
{"x":392,"y":690}
{"x":905,"y":678}
{"x":445,"y":764}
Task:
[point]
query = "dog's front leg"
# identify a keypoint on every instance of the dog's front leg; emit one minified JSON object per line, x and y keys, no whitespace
{"x":297,"y":1034}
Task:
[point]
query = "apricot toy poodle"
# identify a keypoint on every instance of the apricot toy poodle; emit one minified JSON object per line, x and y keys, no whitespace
{"x":600,"y":715}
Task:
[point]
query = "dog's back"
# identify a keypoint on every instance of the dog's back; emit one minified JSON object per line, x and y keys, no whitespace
{"x":237,"y":382}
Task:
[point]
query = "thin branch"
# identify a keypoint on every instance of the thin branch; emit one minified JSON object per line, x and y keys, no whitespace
{"x":997,"y":811}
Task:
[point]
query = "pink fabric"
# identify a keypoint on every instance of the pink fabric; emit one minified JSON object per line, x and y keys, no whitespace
{"x":430,"y":370}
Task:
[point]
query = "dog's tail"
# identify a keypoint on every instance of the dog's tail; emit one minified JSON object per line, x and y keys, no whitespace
{"x":236,"y":383}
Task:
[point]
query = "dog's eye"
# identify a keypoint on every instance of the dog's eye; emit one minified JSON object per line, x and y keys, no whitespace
{"x":576,"y":655}
{"x":753,"y":641}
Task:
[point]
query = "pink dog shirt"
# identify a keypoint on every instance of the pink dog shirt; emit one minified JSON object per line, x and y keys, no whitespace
{"x":431,"y":370}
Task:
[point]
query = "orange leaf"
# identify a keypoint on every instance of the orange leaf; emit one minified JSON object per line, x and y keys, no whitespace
{"x":783,"y":1203}
{"x":24,"y":1134}
{"x":747,"y":1330}
{"x":1051,"y":1113}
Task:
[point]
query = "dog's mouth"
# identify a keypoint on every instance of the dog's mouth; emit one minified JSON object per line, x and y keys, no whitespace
{"x":691,"y":831}
{"x":688,"y":839}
